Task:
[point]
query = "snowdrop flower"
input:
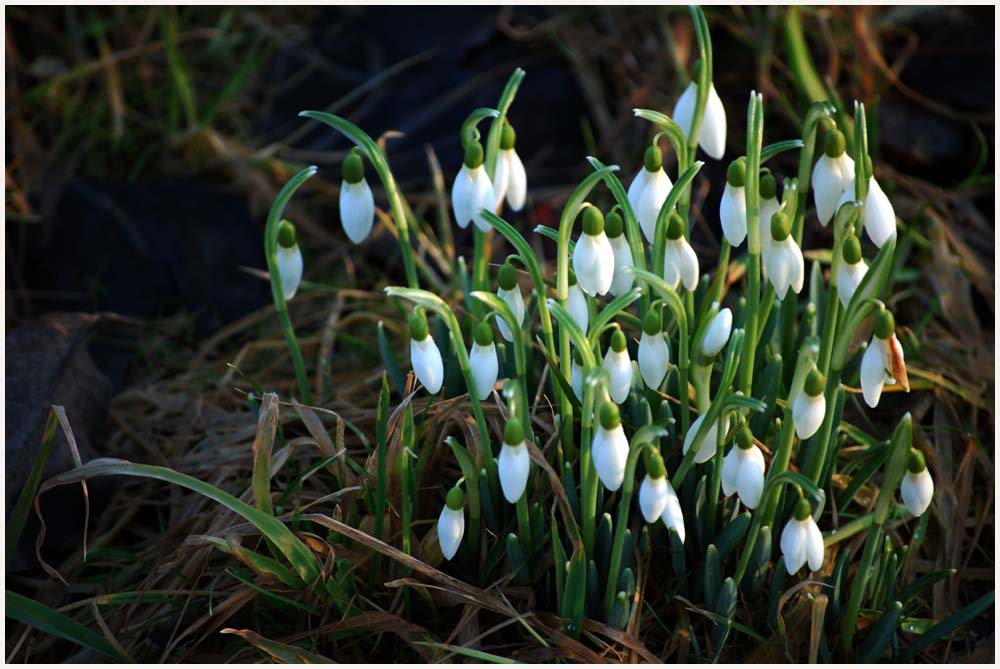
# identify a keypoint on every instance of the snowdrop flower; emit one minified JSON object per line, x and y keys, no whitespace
{"x":743,"y":469}
{"x":831,"y":176}
{"x":289,"y":259}
{"x":851,"y":271}
{"x":509,"y":292}
{"x":769,"y":206}
{"x":619,"y":368}
{"x":472,"y":191}
{"x":576,"y":304}
{"x":514,"y":462}
{"x":879,"y":217}
{"x":609,"y":448}
{"x":576,"y":375}
{"x":809,"y":406}
{"x":654,"y":355}
{"x":718,"y":333}
{"x":424,"y":354}
{"x":509,"y":178}
{"x":483,"y":360}
{"x":622,"y":279}
{"x":451,"y":523}
{"x":883,"y":360}
{"x":785,"y":266}
{"x":713,"y":126}
{"x":357,"y":205}
{"x":917,"y":487}
{"x":593,"y":257}
{"x":680,"y":264}
{"x":648,"y":191}
{"x":801,"y":541}
{"x":733,"y":210}
{"x":710,"y":443}
{"x":657,"y":498}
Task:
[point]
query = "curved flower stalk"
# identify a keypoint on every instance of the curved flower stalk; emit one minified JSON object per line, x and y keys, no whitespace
{"x":917,"y":486}
{"x":733,"y":209}
{"x":654,"y":354}
{"x":609,"y":449}
{"x":514,"y":463}
{"x":357,"y":204}
{"x":510,"y":179}
{"x":619,"y":368}
{"x":801,"y":541}
{"x":289,"y":259}
{"x":425,"y":356}
{"x":451,"y":523}
{"x":832,"y":176}
{"x":883,"y":360}
{"x":621,"y":280}
{"x":509,"y":292}
{"x":717,"y":334}
{"x":648,"y":190}
{"x":851,"y":271}
{"x":680,"y":263}
{"x":712,"y":137}
{"x":483,"y":360}
{"x":593,"y":257}
{"x":472,"y":190}
{"x":785,"y":265}
{"x":809,"y":405}
{"x":743,"y":469}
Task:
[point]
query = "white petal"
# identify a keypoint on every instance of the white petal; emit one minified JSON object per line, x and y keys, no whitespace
{"x":357,"y":210}
{"x":688,"y":264}
{"x":461,"y":197}
{"x":622,"y":279}
{"x":672,"y":516}
{"x":793,"y":545}
{"x":828,"y":183}
{"x":290,"y":269}
{"x":609,"y":451}
{"x":652,"y":497}
{"x":731,"y":471}
{"x":873,"y":372}
{"x":485,"y":367}
{"x":657,"y":189}
{"x":733,"y":214}
{"x":576,"y":380}
{"x":619,"y":368}
{"x":512,"y":467}
{"x":426,"y":360}
{"x":768,"y":208}
{"x":684,"y":109}
{"x":807,"y":414}
{"x":917,"y":491}
{"x":713,"y":126}
{"x":796,"y":266}
{"x":815,"y":551}
{"x":848,"y":279}
{"x":483,"y":197}
{"x":576,"y":305}
{"x":847,"y":196}
{"x":880,"y":219}
{"x":515,"y":301}
{"x":517,"y":182}
{"x":708,"y":445}
{"x":671,"y":264}
{"x":718,"y":333}
{"x":594,"y":263}
{"x":501,"y":178}
{"x":636,"y":187}
{"x":653,"y":358}
{"x":778,"y":269}
{"x":750,"y":479}
{"x":451,"y":529}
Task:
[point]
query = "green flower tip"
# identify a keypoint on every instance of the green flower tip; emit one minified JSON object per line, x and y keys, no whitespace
{"x":836,"y":144}
{"x":507,"y":136}
{"x":916,"y":463}
{"x":483,"y":334}
{"x":610,"y":417}
{"x":593,"y":221}
{"x":507,"y":276}
{"x":802,"y":509}
{"x":675,"y":226}
{"x":513,"y":433}
{"x":781,"y":227}
{"x":571,"y":278}
{"x":852,"y":250}
{"x":652,"y":324}
{"x":653,"y":160}
{"x":654,"y":465}
{"x":474,"y":155}
{"x":286,"y":234}
{"x":613,"y":225}
{"x":744,"y":438}
{"x":814,"y":383}
{"x":618,"y":341}
{"x":455,"y":499}
{"x":736,"y":175}
{"x":768,"y":186}
{"x":418,"y":326}
{"x":354,"y":168}
{"x":885,"y":324}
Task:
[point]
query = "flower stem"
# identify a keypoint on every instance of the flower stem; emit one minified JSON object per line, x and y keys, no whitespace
{"x":755,"y":131}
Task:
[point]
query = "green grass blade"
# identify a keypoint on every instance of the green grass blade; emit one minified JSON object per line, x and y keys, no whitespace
{"x":41,"y":617}
{"x":19,"y":516}
{"x":263,"y":445}
{"x":281,"y":652}
{"x":950,"y":624}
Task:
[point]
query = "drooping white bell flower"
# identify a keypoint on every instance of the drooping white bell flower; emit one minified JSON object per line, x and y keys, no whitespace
{"x":733,"y":209}
{"x":851,"y":271}
{"x":801,"y":541}
{"x":879,"y":217}
{"x":711,"y":442}
{"x":483,"y":360}
{"x":680,"y":263}
{"x":831,"y":176}
{"x":657,"y":498}
{"x":451,"y":523}
{"x":713,"y":126}
{"x":509,"y":292}
{"x":514,"y":462}
{"x":648,"y":191}
{"x":718,"y":333}
{"x":743,"y":470}
{"x":673,"y":516}
{"x":809,"y":406}
{"x":622,"y":279}
{"x":917,"y":486}
{"x":425,"y":355}
{"x":576,"y":375}
{"x":576,"y":304}
{"x":593,"y":257}
{"x":509,"y":179}
{"x":883,"y":360}
{"x":289,"y":258}
{"x":357,"y":205}
{"x":768,"y":207}
{"x":654,"y":354}
{"x":472,"y":191}
{"x":785,"y":265}
{"x":609,"y":449}
{"x":619,"y":368}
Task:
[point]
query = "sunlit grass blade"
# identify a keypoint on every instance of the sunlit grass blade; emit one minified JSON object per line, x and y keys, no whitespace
{"x":41,"y":617}
{"x":281,"y":652}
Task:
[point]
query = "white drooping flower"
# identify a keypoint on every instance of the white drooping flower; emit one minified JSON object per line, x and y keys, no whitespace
{"x":289,"y":258}
{"x":653,"y":355}
{"x":514,"y":462}
{"x":619,"y":368}
{"x":718,"y":333}
{"x":801,"y":541}
{"x":680,"y":263}
{"x":357,"y":205}
{"x":713,"y":126}
{"x":768,"y":207}
{"x":451,"y":523}
{"x":883,"y":360}
{"x":809,"y":406}
{"x":657,"y":498}
{"x":483,"y":360}
{"x":576,"y":304}
{"x":609,"y":449}
{"x":711,"y":442}
{"x":785,"y":265}
{"x":831,"y":176}
{"x":593,"y":257}
{"x":509,"y":179}
{"x":733,"y":209}
{"x":879,"y":217}
{"x":673,"y":516}
{"x":425,"y":355}
{"x":648,"y":191}
{"x":917,"y":486}
{"x":743,"y":470}
{"x":622,"y":279}
{"x":851,"y":271}
{"x":509,"y":292}
{"x":472,"y":191}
